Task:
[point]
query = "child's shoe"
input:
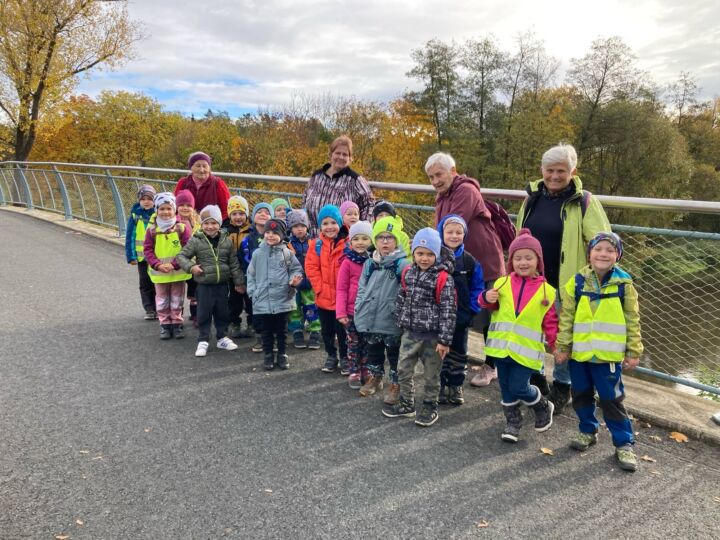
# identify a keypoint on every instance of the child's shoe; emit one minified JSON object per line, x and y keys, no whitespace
{"x":150,"y":315}
{"x":583,"y":441}
{"x":330,"y":364}
{"x":513,"y":423}
{"x":258,"y":344}
{"x":485,"y":376}
{"x":178,"y":331}
{"x":344,"y":367}
{"x":626,"y":458}
{"x":543,"y":414}
{"x":226,"y":344}
{"x":202,"y":348}
{"x":372,"y":385}
{"x":403,"y":407}
{"x":428,"y":415}
{"x":269,"y":362}
{"x":283,"y":361}
{"x":392,"y":396}
{"x":165,"y":331}
{"x":455,"y":395}
{"x":539,"y":380}
{"x":559,"y":395}
{"x":314,"y":340}
{"x":299,"y":339}
{"x":354,"y":381}
{"x":443,"y":395}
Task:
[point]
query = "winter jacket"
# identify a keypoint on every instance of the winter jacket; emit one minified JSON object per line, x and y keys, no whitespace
{"x":523,"y":289}
{"x":377,"y":290}
{"x":247,"y":247}
{"x":416,"y":309}
{"x":322,"y":269}
{"x":219,"y":265}
{"x":577,"y":231}
{"x":149,"y":245}
{"x":300,"y":249}
{"x":631,"y":310}
{"x":347,"y":285}
{"x":268,"y":279}
{"x":137,"y":214}
{"x":211,"y":191}
{"x":344,"y":185}
{"x":464,"y":199}
{"x":237,"y":234}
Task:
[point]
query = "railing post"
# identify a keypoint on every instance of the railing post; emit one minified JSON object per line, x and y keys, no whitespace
{"x":26,"y":187}
{"x":2,"y":193}
{"x":63,"y":193}
{"x":119,"y":210}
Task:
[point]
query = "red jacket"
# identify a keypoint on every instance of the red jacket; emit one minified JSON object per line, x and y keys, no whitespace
{"x":322,"y":271}
{"x":211,"y":191}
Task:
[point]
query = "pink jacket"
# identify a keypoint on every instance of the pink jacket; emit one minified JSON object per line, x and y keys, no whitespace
{"x":149,"y":244}
{"x":347,"y":288}
{"x":523,"y":290}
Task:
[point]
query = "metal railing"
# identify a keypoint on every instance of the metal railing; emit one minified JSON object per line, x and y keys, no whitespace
{"x":677,"y":272}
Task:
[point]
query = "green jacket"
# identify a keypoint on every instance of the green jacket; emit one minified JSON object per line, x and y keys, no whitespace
{"x":578,"y":230}
{"x":215,"y":270}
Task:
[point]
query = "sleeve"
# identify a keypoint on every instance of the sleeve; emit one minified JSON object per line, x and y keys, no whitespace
{"x":484,"y":304}
{"x":448,"y":312}
{"x":362,"y":284}
{"x":476,"y":287}
{"x":631,"y":309}
{"x":365,"y":199}
{"x":178,"y":186}
{"x":236,"y":270}
{"x":567,"y":316}
{"x":185,"y":236}
{"x":521,"y":216}
{"x":149,"y":248}
{"x":400,"y":305}
{"x":295,"y":269}
{"x":186,"y":254}
{"x":341,"y":291}
{"x":595,"y":220}
{"x":243,"y":254}
{"x":467,"y":203}
{"x":130,"y":252}
{"x":312,"y":267}
{"x":550,"y":327}
{"x":251,"y":284}
{"x":223,"y":195}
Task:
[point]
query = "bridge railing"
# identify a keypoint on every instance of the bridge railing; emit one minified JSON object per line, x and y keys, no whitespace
{"x":677,"y":272}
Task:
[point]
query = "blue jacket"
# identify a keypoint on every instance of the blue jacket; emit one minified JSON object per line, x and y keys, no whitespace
{"x":301,"y":249}
{"x":136,"y":213}
{"x":247,"y":247}
{"x":268,"y":279}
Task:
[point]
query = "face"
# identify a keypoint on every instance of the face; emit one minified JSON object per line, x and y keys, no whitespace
{"x":557,"y":176}
{"x":280,"y":212}
{"x":382,"y":215}
{"x":261,"y":217}
{"x":299,"y":231}
{"x":340,"y":158}
{"x":351,"y":217}
{"x":386,"y":243}
{"x":146,"y":203}
{"x":210,"y":227}
{"x":440,"y":178}
{"x":238,"y":218}
{"x":424,"y":258}
{"x":185,"y":210}
{"x":200,"y":170}
{"x":272,"y":238}
{"x":453,"y":235}
{"x":360,"y":243}
{"x":165,"y":211}
{"x":329,"y":227}
{"x":525,"y":262}
{"x":603,"y":256}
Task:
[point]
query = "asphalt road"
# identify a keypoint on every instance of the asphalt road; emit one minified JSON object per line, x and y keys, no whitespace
{"x":106,"y":432}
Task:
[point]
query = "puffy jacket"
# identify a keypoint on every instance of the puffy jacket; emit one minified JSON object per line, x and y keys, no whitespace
{"x":378,"y":288}
{"x":347,"y":284}
{"x":137,"y":214}
{"x":237,"y":234}
{"x":322,"y":269}
{"x":300,"y":249}
{"x":247,"y":247}
{"x":268,"y":279}
{"x":219,"y":266}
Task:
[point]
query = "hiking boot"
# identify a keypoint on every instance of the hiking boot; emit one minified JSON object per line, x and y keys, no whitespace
{"x":283,"y":361}
{"x":403,"y":407}
{"x":202,"y":348}
{"x":455,"y":395}
{"x":299,"y":339}
{"x":539,"y":380}
{"x":443,"y":395}
{"x":269,"y":362}
{"x":392,"y":396}
{"x":513,"y":423}
{"x":150,"y":315}
{"x":484,"y":377}
{"x":372,"y":385}
{"x":559,"y":395}
{"x":235,"y":330}
{"x":330,"y":364}
{"x":626,"y":458}
{"x":257,"y":348}
{"x":165,"y":331}
{"x":543,"y":414}
{"x":427,"y":416}
{"x":178,"y":331}
{"x":226,"y":344}
{"x":583,"y":441}
{"x":314,"y":340}
{"x":354,"y":381}
{"x":344,"y":367}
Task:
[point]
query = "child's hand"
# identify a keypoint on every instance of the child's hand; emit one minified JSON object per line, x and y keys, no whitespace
{"x":240,"y":289}
{"x":133,"y":263}
{"x":442,"y":350}
{"x":196,"y":270}
{"x":630,"y":363}
{"x":295,"y":281}
{"x":561,"y":357}
{"x":492,"y":296}
{"x":166,"y":268}
{"x":344,"y":321}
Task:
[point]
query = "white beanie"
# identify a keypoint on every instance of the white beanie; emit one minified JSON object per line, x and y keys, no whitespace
{"x":361,"y":227}
{"x":211,"y":211}
{"x":164,"y":198}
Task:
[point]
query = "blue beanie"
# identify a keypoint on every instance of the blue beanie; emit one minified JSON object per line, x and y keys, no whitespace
{"x":329,"y":211}
{"x":427,"y":238}
{"x":260,"y":206}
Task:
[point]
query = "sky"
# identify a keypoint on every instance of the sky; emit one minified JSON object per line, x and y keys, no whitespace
{"x":240,"y":55}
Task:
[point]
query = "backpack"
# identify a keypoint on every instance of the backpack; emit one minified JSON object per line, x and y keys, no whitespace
{"x":502,"y":223}
{"x":580,"y":285}
{"x":439,"y":284}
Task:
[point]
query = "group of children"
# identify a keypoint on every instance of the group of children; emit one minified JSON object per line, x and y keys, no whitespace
{"x":373,"y":296}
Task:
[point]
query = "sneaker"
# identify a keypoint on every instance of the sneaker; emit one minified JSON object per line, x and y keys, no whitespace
{"x":344,"y":367}
{"x":513,"y":423}
{"x":226,"y":344}
{"x":269,"y":362}
{"x":299,"y":340}
{"x":443,"y":395}
{"x":583,"y":441}
{"x":354,"y":381}
{"x":484,"y":377}
{"x":392,"y":396}
{"x":559,"y":395}
{"x":314,"y":340}
{"x":202,"y":348}
{"x":403,"y":407}
{"x":283,"y":361}
{"x":165,"y":331}
{"x":235,"y":330}
{"x":150,"y":315}
{"x":372,"y":385}
{"x":179,"y":331}
{"x":543,"y":414}
{"x":257,"y":348}
{"x":427,"y":416}
{"x":455,"y":395}
{"x":330,"y":364}
{"x":626,"y":458}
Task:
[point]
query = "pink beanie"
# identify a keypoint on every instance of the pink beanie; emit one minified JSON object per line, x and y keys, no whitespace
{"x":344,"y":207}
{"x":185,"y":196}
{"x":525,"y":240}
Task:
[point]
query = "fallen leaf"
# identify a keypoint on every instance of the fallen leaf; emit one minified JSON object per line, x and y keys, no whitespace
{"x":62,"y":536}
{"x":655,"y":472}
{"x":147,"y":430}
{"x":228,"y":530}
{"x":645,"y":425}
{"x":649,"y":459}
{"x":637,"y":433}
{"x":97,"y":457}
{"x":268,"y":490}
{"x":84,"y":451}
{"x":655,"y":438}
{"x":547,"y":451}
{"x":483,"y":524}
{"x":717,"y":499}
{"x":679,"y":437}
{"x":79,"y":522}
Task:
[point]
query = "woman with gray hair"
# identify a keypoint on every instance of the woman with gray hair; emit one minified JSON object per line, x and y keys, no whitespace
{"x":206,"y":188}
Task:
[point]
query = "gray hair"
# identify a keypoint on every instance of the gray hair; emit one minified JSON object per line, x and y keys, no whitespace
{"x":562,"y":153}
{"x":446,"y":161}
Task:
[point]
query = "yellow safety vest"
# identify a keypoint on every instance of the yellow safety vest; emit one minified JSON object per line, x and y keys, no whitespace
{"x":140,"y":230}
{"x":519,"y":337}
{"x":601,"y":335}
{"x":167,"y":246}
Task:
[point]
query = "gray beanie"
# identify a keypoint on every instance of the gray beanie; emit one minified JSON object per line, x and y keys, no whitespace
{"x":361,"y":227}
{"x":298,"y":217}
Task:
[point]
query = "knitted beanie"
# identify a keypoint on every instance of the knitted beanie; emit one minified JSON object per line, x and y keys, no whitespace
{"x":329,"y":211}
{"x":427,"y":238}
{"x":277,"y":226}
{"x":383,"y":206}
{"x":394,"y":226}
{"x":454,"y":218}
{"x":525,"y":240}
{"x":280,"y":202}
{"x":197,"y":156}
{"x":237,"y":203}
{"x":146,"y":191}
{"x":211,"y":211}
{"x":361,"y":227}
{"x":260,"y":206}
{"x":298,"y":217}
{"x":164,"y":198}
{"x":344,"y":207}
{"x":611,"y":237}
{"x":185,"y":196}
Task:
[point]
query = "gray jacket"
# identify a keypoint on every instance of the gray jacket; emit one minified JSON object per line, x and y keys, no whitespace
{"x":378,"y":287}
{"x":268,"y":279}
{"x":219,"y":266}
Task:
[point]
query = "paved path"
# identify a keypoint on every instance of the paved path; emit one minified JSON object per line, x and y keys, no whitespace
{"x":109,"y":433}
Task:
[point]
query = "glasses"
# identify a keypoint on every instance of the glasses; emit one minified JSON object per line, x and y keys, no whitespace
{"x":384,"y":238}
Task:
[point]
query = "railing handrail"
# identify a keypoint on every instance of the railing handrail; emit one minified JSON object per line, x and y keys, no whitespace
{"x":609,"y":201}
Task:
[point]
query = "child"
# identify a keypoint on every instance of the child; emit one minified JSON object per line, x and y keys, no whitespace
{"x":238,"y":228}
{"x":186,"y":214}
{"x":347,"y":287}
{"x":273,"y":275}
{"x":600,"y":333}
{"x":469,"y":283}
{"x":374,"y":307}
{"x":350,"y":213}
{"x":383,"y":209}
{"x":214,"y":265}
{"x":321,"y":266}
{"x":522,"y":306}
{"x":137,"y":224}
{"x":426,"y":309}
{"x":163,"y":241}
{"x":305,"y":312}
{"x":280,"y":208}
{"x":261,"y":213}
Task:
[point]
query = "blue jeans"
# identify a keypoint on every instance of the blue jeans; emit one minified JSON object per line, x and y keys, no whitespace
{"x":561,"y":372}
{"x":514,"y":382}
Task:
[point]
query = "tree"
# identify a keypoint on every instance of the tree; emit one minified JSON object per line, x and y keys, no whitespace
{"x":45,"y":45}
{"x":683,"y":94}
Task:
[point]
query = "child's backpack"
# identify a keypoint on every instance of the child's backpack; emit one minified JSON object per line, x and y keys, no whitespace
{"x":580,"y":285}
{"x":502,"y":223}
{"x":439,"y":284}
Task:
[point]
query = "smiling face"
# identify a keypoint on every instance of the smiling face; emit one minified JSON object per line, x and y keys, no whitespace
{"x":200,"y":170}
{"x":272,"y":238}
{"x":339,"y":159}
{"x":351,"y":217}
{"x":424,"y":258}
{"x":238,"y":218}
{"x":525,"y":262}
{"x":261,"y":217}
{"x":360,"y":243}
{"x":165,"y":211}
{"x":556,"y":176}
{"x":453,"y":235}
{"x":210,"y":227}
{"x":146,"y":203}
{"x":185,"y":211}
{"x":441,"y":178}
{"x":386,"y":243}
{"x":603,"y":256}
{"x":329,"y":227}
{"x":280,"y":212}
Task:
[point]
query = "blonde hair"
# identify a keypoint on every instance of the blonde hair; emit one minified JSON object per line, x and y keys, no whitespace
{"x":342,"y":140}
{"x":193,"y":220}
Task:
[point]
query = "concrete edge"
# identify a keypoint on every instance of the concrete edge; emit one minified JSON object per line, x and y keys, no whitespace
{"x":693,"y":432}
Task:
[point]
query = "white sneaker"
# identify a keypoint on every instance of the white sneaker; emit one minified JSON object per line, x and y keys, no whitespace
{"x":201,"y":348}
{"x":227,"y":344}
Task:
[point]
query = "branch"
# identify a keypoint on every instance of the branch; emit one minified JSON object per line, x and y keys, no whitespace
{"x":5,"y":109}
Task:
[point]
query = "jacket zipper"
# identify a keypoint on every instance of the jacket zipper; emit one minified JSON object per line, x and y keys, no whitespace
{"x":520,"y":293}
{"x":216,"y":256}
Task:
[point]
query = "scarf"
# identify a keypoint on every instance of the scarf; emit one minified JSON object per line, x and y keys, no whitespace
{"x":164,"y":225}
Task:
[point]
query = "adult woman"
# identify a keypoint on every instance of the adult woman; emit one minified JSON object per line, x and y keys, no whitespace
{"x":564,"y":218}
{"x":205,"y":187}
{"x":335,"y":182}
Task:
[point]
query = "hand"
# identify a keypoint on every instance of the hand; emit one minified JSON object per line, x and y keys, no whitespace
{"x":344,"y":321}
{"x":492,"y":296}
{"x":240,"y":289}
{"x":166,"y":268}
{"x":442,"y":350}
{"x":295,"y":281}
{"x":630,"y":363}
{"x":196,"y":270}
{"x":133,"y":262}
{"x":561,"y":357}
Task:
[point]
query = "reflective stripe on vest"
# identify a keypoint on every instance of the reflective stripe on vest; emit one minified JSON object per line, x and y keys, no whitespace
{"x":601,"y":335}
{"x":519,"y":337}
{"x":140,"y":230}
{"x":167,"y":246}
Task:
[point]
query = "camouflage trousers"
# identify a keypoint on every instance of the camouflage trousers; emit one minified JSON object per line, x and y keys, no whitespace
{"x":413,"y":351}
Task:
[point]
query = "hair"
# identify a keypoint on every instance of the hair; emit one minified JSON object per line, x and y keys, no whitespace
{"x":562,"y":153}
{"x":446,"y":161}
{"x":342,"y":140}
{"x":194,"y":218}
